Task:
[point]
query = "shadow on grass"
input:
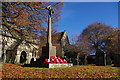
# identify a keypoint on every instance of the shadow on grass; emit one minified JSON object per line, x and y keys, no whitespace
{"x":35,"y":65}
{"x":38,"y":63}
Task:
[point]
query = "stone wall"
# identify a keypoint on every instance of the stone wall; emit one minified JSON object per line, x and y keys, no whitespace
{"x":12,"y":44}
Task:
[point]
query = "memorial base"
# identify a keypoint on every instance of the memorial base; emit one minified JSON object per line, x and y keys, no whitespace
{"x":60,"y":65}
{"x":48,"y":51}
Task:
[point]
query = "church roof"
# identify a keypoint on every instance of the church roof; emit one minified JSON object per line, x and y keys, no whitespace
{"x":56,"y":37}
{"x":14,"y":45}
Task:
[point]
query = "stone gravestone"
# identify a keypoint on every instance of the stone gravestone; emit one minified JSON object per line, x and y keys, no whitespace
{"x":117,"y":60}
{"x":100,"y":58}
{"x":49,"y":50}
{"x":108,"y":60}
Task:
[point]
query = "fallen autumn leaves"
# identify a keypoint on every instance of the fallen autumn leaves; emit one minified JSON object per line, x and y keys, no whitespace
{"x":16,"y":71}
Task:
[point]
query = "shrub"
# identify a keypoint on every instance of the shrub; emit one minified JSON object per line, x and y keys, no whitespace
{"x":12,"y":59}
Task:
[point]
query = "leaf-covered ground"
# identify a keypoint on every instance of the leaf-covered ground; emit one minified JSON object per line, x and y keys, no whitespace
{"x":16,"y":71}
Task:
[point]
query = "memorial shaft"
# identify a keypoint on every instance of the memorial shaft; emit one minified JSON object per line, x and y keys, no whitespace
{"x":49,"y":29}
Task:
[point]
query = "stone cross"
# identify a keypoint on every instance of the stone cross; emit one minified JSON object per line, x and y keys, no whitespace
{"x":49,"y":25}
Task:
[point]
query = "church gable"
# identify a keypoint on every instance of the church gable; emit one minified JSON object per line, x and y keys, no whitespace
{"x":59,"y":40}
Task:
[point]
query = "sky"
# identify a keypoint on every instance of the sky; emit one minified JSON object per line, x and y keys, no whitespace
{"x":76,"y":16}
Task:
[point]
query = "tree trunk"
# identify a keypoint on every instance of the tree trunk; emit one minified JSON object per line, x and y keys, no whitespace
{"x":105,"y":59}
{"x":85,"y":59}
{"x":4,"y":58}
{"x":78,"y":58}
{"x":3,"y":53}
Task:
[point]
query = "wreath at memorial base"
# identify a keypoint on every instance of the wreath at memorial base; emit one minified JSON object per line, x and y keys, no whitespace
{"x":54,"y":59}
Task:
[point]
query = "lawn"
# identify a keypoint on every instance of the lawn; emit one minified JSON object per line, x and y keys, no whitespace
{"x":16,"y":71}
